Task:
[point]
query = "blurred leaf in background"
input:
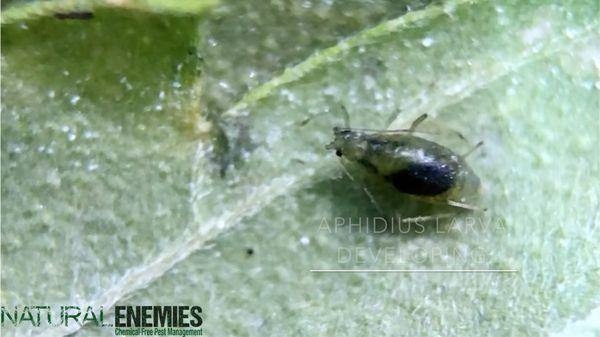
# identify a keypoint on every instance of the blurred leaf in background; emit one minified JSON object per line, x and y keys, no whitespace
{"x":146,"y":150}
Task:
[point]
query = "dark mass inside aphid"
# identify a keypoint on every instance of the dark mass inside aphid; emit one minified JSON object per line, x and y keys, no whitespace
{"x":423,"y":179}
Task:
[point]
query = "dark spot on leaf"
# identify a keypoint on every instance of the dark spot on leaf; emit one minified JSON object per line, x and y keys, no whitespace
{"x":74,"y":15}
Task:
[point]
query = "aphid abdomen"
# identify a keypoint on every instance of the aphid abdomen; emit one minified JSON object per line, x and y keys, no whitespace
{"x":426,"y":179}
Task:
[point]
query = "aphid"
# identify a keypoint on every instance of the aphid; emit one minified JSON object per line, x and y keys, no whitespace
{"x":411,"y":164}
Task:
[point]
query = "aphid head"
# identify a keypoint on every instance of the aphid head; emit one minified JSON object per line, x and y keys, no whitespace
{"x":348,"y":143}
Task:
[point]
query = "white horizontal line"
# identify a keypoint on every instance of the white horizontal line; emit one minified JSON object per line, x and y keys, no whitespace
{"x":414,"y":271}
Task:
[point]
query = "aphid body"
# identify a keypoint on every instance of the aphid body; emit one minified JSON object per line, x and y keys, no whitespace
{"x":413,"y":165}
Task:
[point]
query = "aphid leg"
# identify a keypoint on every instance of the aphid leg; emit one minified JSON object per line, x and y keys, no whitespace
{"x":478,"y":145}
{"x":309,"y":118}
{"x":365,"y":189}
{"x":462,"y":205}
{"x":473,"y":149}
{"x":305,"y":121}
{"x":460,"y":135}
{"x":428,"y":217}
{"x":373,"y":201}
{"x":416,"y":122}
{"x":392,"y":117}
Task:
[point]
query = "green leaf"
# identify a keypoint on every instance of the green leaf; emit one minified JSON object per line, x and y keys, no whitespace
{"x":23,"y":11}
{"x":130,"y":202}
{"x":96,"y":138}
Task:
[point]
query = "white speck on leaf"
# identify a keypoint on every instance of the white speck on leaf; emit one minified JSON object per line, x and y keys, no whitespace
{"x":304,"y":241}
{"x":427,"y":41}
{"x":536,"y":33}
{"x":75,"y":99}
{"x":92,"y":167}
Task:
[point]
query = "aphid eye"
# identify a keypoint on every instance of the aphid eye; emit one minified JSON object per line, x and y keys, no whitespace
{"x":338,"y":153}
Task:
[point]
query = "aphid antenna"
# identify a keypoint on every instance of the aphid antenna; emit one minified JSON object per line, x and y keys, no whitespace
{"x":387,"y":131}
{"x":346,"y":116}
{"x":364,"y":188}
{"x":411,"y":129}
